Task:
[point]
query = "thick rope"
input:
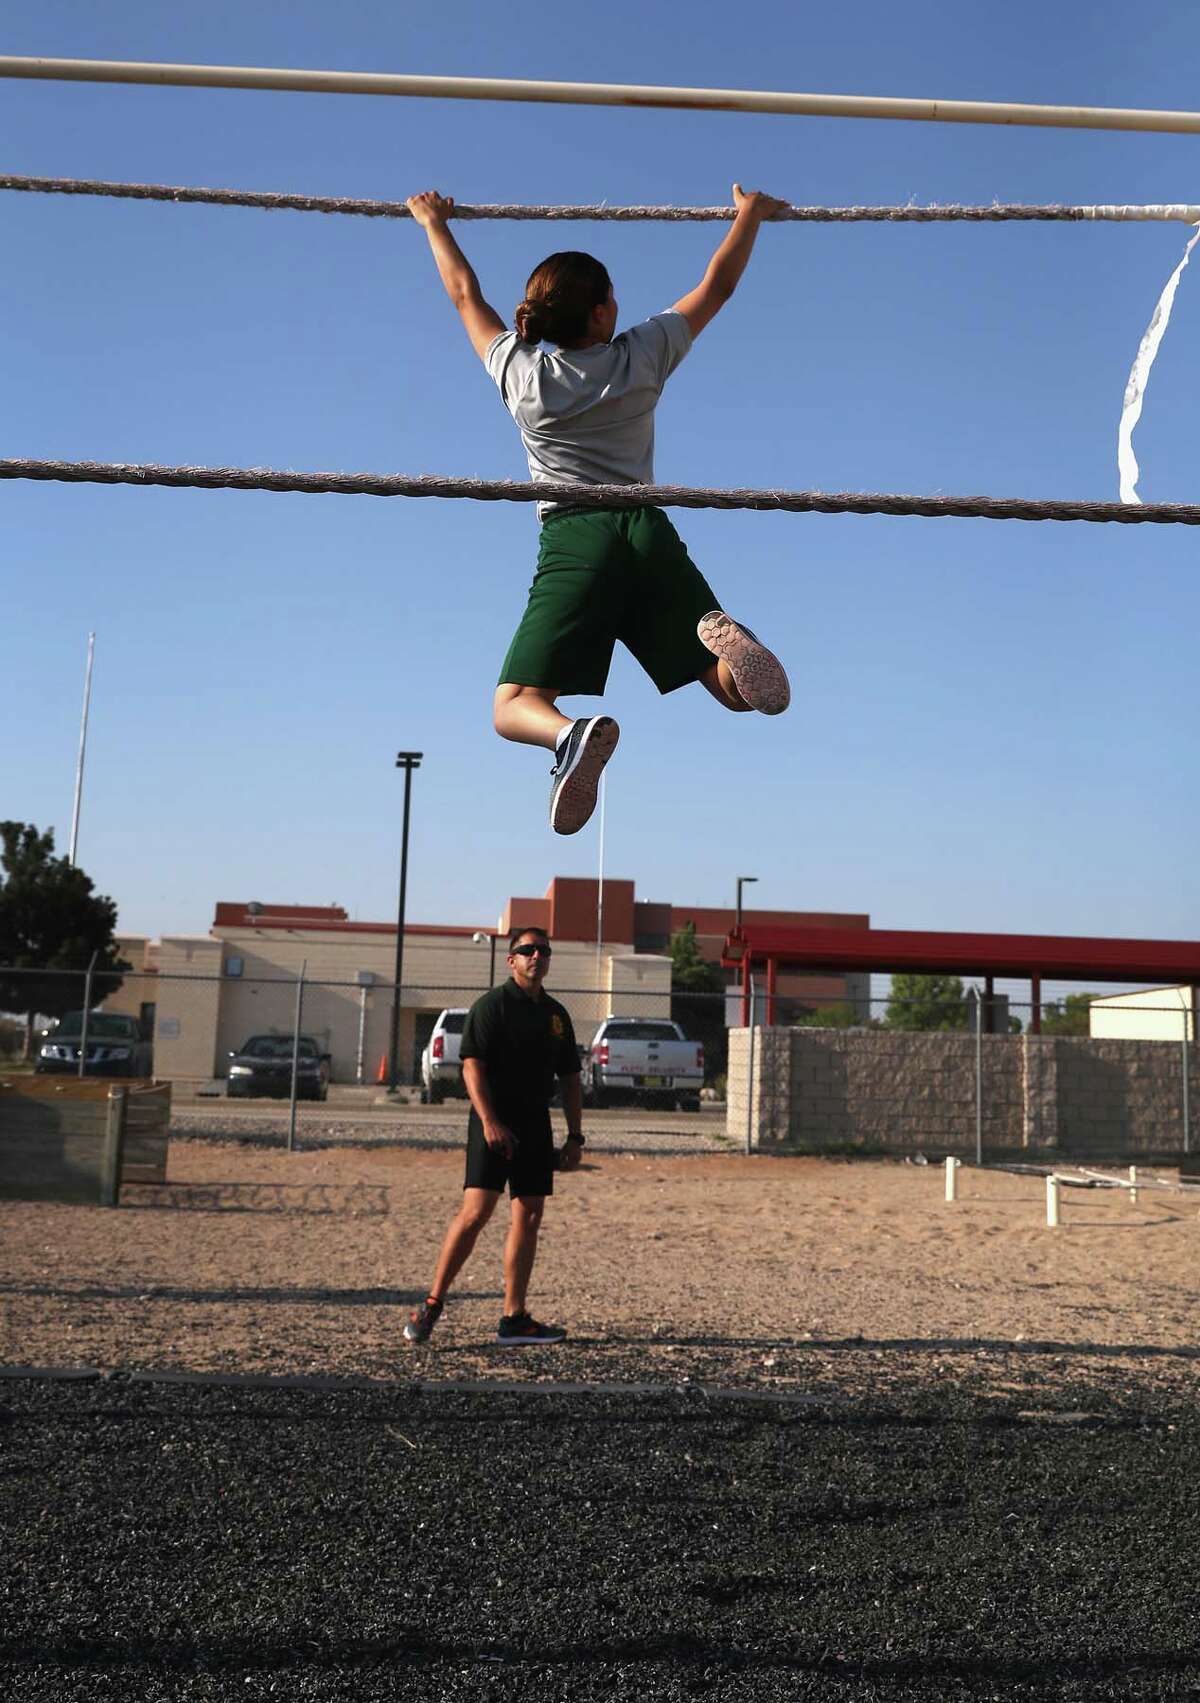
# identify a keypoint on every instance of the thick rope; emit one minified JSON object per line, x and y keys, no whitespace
{"x":598,"y":496}
{"x":272,"y":201}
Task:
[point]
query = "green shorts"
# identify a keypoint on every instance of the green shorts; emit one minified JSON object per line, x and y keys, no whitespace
{"x":604,"y":575}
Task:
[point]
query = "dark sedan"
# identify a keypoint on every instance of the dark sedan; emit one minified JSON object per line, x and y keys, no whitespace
{"x":264,"y":1067}
{"x":116,"y":1046}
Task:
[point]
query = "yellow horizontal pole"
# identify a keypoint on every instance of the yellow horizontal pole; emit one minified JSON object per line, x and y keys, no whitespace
{"x":598,"y":94}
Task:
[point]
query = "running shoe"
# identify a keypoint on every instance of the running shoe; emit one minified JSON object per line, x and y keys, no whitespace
{"x":575,"y":776}
{"x":757,"y":673}
{"x":420,"y":1325}
{"x":518,"y":1329}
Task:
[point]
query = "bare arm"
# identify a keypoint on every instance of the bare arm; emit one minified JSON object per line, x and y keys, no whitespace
{"x":495,"y":1133}
{"x":729,"y":262}
{"x":481,"y":322}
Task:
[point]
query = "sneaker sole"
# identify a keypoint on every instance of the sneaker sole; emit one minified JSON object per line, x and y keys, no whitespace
{"x":574,"y":796}
{"x":528,"y":1341}
{"x":757,"y":673}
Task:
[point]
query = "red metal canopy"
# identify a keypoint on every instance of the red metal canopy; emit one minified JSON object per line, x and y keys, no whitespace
{"x":1057,"y":956}
{"x":1052,"y":956}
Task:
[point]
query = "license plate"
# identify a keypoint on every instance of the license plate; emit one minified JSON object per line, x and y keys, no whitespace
{"x":652,"y":1082}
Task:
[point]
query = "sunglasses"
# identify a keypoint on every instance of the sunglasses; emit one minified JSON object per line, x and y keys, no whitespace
{"x":531,"y":951}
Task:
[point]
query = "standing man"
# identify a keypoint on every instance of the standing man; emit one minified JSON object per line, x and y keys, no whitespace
{"x":515,"y":1041}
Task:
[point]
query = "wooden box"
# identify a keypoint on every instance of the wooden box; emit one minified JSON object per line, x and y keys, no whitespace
{"x":72,"y":1138}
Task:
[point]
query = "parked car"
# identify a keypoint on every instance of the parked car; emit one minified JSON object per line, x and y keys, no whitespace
{"x":116,"y":1046}
{"x":646,"y":1058}
{"x":441,"y":1072}
{"x":263,"y":1066}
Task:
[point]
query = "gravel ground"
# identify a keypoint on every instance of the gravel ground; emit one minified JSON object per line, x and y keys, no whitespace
{"x":176,"y":1541}
{"x":842,"y":1438}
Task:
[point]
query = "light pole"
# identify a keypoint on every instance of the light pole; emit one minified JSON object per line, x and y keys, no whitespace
{"x":478,"y":938}
{"x":408,"y":761}
{"x":742,"y":881}
{"x":83,"y":728}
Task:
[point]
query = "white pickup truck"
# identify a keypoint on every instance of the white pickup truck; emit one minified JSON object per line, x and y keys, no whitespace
{"x":646,"y":1057}
{"x":441,"y":1070}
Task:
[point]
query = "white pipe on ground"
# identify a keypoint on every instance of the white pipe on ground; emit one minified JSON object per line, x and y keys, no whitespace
{"x":952,"y":1179}
{"x":1052,"y":1203}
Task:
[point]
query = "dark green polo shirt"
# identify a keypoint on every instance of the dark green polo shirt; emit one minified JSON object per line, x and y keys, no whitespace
{"x":523,"y":1044}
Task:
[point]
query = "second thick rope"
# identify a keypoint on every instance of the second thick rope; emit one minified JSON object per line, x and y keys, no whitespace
{"x":598,"y":496}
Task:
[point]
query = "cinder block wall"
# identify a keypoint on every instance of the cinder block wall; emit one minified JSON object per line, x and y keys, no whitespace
{"x":827,"y":1090}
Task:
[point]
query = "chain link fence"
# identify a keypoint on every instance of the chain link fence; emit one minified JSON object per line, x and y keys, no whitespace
{"x":981,"y":1073}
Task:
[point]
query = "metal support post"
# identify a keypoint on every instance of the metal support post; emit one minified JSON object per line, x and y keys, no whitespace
{"x":978,"y":1008}
{"x":1187,"y":1089}
{"x":360,"y":1058}
{"x":750,"y":1074}
{"x":87,"y":1006}
{"x":114,"y":1142}
{"x":291,"y":1140}
{"x":408,"y":761}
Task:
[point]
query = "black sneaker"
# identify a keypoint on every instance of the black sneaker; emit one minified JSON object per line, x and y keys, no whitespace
{"x":577,"y":770}
{"x":420,"y":1325}
{"x":517,"y":1329}
{"x":757,"y":673}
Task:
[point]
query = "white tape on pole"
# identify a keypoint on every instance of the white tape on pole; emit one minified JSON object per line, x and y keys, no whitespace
{"x":1135,"y":389}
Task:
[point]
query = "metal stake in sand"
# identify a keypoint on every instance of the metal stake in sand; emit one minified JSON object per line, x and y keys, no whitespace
{"x":1133,"y":1185}
{"x":952,"y":1165}
{"x":1052,"y":1203}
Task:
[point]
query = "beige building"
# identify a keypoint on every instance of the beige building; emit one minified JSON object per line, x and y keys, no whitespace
{"x":205,"y":995}
{"x":1152,"y":1014}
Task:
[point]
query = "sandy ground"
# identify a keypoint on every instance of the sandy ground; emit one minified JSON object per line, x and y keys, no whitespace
{"x":798,"y":1275}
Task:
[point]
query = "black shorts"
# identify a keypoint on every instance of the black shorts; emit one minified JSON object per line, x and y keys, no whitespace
{"x":531,"y":1171}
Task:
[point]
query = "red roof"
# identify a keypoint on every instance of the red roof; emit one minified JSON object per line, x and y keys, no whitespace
{"x":312,"y":919}
{"x":1054,"y":956}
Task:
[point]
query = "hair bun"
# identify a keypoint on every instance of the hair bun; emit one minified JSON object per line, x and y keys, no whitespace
{"x":531,"y":320}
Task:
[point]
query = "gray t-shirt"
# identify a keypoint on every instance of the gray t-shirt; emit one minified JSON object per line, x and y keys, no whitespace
{"x":587,"y":415}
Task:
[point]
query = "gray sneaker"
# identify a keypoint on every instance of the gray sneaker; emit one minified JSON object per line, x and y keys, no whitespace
{"x":420,"y":1325}
{"x":757,"y":673}
{"x":575,"y":776}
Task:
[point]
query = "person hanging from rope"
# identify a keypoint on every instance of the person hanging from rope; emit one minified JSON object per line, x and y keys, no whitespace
{"x":585,"y":410}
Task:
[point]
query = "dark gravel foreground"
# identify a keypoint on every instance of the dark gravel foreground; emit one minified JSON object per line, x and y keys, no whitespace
{"x":174,"y":1540}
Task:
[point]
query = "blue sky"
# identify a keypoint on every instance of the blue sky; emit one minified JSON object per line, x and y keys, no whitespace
{"x":992,"y":724}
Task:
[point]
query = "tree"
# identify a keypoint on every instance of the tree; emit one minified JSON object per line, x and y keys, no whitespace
{"x":701,"y":1018}
{"x":690,"y":973}
{"x":51,"y":922}
{"x":926,"y":1002}
{"x":1069,"y":1016}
